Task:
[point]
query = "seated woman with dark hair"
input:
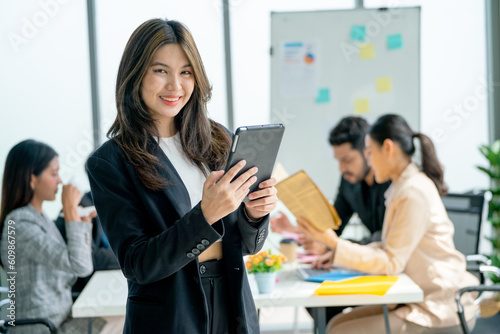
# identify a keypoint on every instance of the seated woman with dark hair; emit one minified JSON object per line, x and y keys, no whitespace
{"x":417,"y":238}
{"x":45,"y":264}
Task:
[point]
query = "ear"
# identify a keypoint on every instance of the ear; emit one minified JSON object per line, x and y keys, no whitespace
{"x":389,"y":148}
{"x":33,"y":181}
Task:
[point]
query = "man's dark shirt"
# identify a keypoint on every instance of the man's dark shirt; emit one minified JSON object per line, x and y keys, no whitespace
{"x":368,"y":202}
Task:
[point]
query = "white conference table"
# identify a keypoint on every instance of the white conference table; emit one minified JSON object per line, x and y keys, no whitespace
{"x":290,"y":290}
{"x":106,"y":295}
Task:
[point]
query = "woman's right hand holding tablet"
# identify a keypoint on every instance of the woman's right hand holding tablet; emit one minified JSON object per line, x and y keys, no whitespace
{"x":223,"y":195}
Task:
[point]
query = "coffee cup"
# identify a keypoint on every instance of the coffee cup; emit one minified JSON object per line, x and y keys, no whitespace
{"x":288,"y":247}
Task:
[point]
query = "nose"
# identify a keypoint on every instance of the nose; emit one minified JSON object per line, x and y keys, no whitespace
{"x":173,"y":83}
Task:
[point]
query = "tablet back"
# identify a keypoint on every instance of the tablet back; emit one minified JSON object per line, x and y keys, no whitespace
{"x":259,"y":146}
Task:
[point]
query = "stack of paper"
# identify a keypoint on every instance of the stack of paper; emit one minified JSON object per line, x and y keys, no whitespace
{"x":304,"y":199}
{"x":372,"y":285}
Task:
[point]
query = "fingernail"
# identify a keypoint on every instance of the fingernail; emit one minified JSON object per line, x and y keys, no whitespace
{"x":242,"y":162}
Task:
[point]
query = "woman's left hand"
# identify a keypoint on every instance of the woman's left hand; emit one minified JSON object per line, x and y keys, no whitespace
{"x":262,"y":201}
{"x":328,"y":237}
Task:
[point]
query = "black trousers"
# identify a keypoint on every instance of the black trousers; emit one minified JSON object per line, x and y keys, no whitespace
{"x":214,"y":282}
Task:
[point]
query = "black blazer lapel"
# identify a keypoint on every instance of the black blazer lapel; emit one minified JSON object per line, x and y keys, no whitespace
{"x":175,"y":191}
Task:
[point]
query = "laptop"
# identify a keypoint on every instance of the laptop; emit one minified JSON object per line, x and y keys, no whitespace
{"x":329,"y":274}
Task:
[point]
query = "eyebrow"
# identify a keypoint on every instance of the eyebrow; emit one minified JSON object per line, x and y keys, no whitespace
{"x":157,"y":63}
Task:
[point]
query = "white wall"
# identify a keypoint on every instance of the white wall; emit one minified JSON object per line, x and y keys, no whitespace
{"x":45,"y":86}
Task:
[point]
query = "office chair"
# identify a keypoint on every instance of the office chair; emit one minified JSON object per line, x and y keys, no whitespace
{"x":478,"y":288}
{"x":467,"y":212}
{"x":4,"y":324}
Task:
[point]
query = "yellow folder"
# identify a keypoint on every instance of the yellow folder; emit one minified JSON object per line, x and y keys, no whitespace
{"x":304,"y":199}
{"x":371,"y":285}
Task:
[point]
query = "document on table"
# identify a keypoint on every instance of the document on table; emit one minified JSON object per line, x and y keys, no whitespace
{"x":372,"y":285}
{"x":304,"y":199}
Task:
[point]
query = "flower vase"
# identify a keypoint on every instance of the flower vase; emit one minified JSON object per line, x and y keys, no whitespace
{"x":265,"y":281}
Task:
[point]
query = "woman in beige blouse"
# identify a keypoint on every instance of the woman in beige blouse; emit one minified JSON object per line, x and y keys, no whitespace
{"x":417,"y":239}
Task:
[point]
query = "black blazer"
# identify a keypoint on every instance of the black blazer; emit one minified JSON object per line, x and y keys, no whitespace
{"x":154,"y":233}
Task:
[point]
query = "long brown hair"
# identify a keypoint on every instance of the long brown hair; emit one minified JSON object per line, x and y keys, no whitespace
{"x":395,"y":128}
{"x":26,"y":158}
{"x":203,"y":140}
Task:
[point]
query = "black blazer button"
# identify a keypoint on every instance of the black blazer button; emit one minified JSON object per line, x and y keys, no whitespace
{"x":190,"y":255}
{"x":205,"y":242}
{"x":200,"y":246}
{"x":195,"y":251}
{"x":203,"y":269}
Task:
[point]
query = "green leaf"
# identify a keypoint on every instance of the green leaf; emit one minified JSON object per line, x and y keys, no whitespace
{"x":485,"y":150}
{"x":489,"y":154}
{"x":487,"y":171}
{"x":496,"y":147}
{"x":495,"y":261}
{"x":495,"y":221}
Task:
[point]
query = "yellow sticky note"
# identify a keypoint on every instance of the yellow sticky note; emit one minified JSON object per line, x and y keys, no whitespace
{"x":361,"y":106}
{"x":384,"y":85}
{"x":367,"y":51}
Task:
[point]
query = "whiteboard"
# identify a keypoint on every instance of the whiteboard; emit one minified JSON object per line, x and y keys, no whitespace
{"x":326,"y":65}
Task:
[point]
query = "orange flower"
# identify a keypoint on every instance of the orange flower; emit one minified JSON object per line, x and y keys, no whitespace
{"x":264,"y":262}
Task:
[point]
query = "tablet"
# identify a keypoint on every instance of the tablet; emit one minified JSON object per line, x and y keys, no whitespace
{"x":258,"y":145}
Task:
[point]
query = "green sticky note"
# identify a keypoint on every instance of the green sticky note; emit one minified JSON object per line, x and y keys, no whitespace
{"x":361,"y":106}
{"x":367,"y":51}
{"x":358,"y":33}
{"x":394,"y":42}
{"x":323,"y":95}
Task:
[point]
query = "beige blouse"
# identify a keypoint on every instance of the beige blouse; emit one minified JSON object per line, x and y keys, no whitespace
{"x":417,"y":239}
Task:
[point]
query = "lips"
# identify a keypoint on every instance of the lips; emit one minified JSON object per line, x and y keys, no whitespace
{"x":170,"y":98}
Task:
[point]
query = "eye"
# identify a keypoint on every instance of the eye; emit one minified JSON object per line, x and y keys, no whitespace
{"x":186,"y":72}
{"x":160,"y":70}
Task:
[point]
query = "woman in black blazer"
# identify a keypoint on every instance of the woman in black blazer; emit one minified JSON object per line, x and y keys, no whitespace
{"x":163,"y":200}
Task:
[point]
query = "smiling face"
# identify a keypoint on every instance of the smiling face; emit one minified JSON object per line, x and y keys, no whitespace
{"x":45,"y":185}
{"x":167,"y":86}
{"x":352,"y":164}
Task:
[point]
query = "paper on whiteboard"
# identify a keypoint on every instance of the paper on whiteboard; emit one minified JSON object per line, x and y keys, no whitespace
{"x":299,"y":69}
